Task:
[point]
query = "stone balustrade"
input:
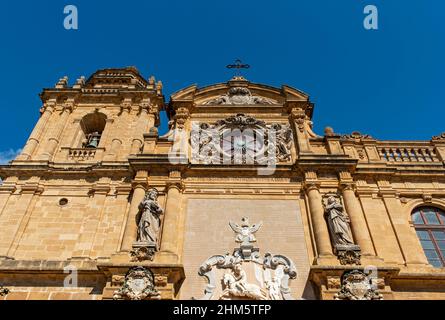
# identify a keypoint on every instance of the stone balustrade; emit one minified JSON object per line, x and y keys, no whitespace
{"x":408,"y":153}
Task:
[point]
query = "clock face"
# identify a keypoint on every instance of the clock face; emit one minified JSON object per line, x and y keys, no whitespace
{"x":242,"y":147}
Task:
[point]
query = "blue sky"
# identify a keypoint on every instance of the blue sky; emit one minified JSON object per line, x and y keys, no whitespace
{"x":387,"y":83}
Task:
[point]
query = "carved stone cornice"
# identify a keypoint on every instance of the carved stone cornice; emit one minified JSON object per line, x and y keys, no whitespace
{"x":32,"y":188}
{"x":7,"y":189}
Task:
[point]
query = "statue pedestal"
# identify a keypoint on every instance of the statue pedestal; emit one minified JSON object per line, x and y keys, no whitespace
{"x":143,"y":251}
{"x":348,"y":254}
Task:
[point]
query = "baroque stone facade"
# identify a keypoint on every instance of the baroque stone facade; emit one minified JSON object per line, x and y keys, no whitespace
{"x":99,"y":206}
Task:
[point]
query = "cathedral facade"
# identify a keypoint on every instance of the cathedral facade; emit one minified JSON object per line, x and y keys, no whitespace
{"x":240,"y":199}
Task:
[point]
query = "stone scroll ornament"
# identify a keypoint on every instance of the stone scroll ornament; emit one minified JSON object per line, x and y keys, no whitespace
{"x":138,"y":285}
{"x":234,"y":283}
{"x":241,"y":139}
{"x":356,"y":285}
{"x":148,"y":227}
{"x":340,"y":230}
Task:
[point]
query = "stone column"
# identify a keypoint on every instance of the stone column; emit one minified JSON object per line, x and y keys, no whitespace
{"x":53,"y":140}
{"x":358,"y":223}
{"x":321,"y":232}
{"x":170,"y":230}
{"x":36,"y":134}
{"x":130,"y":231}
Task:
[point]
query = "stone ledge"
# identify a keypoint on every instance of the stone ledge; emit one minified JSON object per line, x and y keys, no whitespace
{"x":11,"y":265}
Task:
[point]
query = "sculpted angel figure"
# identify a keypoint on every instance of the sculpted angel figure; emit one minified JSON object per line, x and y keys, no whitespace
{"x":338,"y":222}
{"x":283,"y":136}
{"x":148,"y":218}
{"x":245,"y":232}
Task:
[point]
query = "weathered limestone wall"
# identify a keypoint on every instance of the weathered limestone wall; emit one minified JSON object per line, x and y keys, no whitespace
{"x":35,"y":226}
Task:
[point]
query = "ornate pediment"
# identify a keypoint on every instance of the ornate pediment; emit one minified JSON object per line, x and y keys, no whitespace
{"x":237,"y":92}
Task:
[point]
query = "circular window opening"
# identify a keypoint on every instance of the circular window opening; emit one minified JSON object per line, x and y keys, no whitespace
{"x":63,"y":202}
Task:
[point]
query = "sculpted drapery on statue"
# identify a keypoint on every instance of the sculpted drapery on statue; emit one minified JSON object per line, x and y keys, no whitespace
{"x":148,"y":218}
{"x":340,"y":229}
{"x":338,"y":222}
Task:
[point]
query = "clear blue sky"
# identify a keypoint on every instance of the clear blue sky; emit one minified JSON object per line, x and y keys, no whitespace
{"x":387,"y":83}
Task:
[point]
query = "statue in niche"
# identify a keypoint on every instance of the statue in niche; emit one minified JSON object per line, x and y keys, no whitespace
{"x":148,"y":218}
{"x":235,"y":285}
{"x":338,"y":222}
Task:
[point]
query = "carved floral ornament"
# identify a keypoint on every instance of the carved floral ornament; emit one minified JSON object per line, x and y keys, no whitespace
{"x":356,"y":136}
{"x":241,"y":139}
{"x":239,"y":96}
{"x":271,"y":272}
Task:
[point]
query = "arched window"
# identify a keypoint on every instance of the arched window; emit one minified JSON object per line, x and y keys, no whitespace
{"x":92,"y":125}
{"x":430,"y":228}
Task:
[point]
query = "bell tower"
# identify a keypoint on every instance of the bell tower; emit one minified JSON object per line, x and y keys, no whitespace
{"x":101,"y":119}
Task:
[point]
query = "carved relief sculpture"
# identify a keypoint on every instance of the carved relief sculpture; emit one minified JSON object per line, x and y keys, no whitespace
{"x":356,"y":285}
{"x":138,"y":285}
{"x":272,"y":271}
{"x":148,"y":227}
{"x":340,"y":230}
{"x":239,"y":96}
{"x":241,"y":139}
{"x":235,"y":285}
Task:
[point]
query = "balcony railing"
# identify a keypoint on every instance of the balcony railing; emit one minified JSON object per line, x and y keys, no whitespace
{"x":81,"y":154}
{"x":408,"y":154}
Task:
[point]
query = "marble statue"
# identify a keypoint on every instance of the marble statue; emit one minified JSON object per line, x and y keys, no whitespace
{"x":148,"y":218}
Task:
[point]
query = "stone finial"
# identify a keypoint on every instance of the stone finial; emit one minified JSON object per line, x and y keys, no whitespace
{"x":159,"y":87}
{"x":62,"y":83}
{"x":151,"y":81}
{"x":329,"y":132}
{"x":79,"y":83}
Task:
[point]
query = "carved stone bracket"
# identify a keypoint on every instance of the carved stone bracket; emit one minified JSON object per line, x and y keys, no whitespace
{"x":139,"y":284}
{"x":348,"y":254}
{"x":143,"y":251}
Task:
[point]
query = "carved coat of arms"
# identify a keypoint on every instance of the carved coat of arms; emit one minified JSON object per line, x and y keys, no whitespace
{"x":138,"y":285}
{"x":356,"y":285}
